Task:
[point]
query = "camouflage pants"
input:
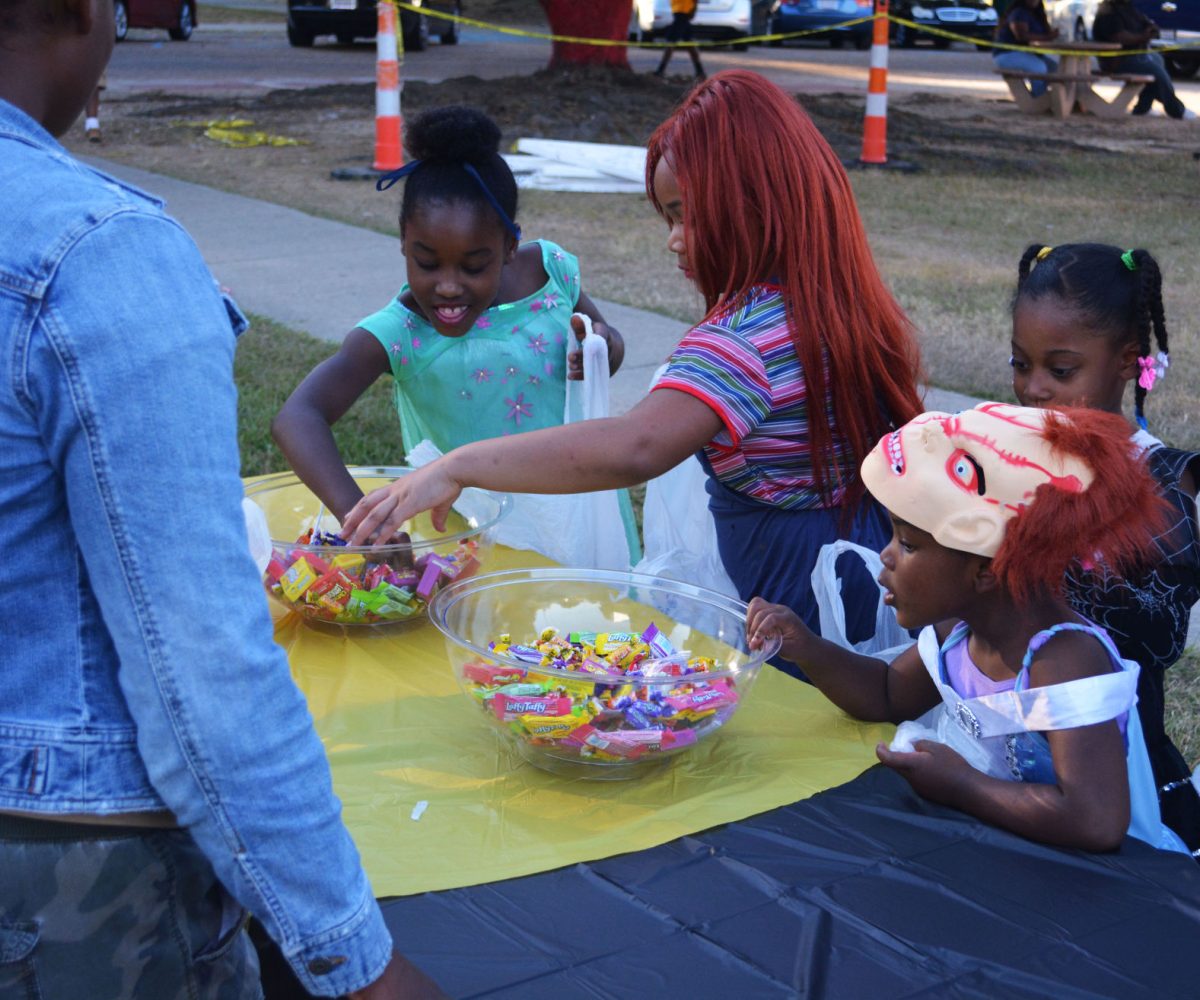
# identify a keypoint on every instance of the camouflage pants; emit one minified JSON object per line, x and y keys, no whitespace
{"x":103,"y":913}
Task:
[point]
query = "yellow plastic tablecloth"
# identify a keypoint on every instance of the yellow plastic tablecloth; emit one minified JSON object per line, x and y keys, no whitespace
{"x":398,"y":731}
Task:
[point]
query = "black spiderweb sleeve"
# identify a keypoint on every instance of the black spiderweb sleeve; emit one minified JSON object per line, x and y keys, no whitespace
{"x":1147,"y":617}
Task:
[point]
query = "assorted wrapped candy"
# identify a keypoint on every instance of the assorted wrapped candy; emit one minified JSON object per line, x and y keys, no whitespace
{"x":356,"y":587}
{"x":614,"y":697}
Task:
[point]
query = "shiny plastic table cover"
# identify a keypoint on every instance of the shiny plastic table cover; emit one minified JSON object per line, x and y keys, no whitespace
{"x":863,"y":891}
{"x":399,"y":731}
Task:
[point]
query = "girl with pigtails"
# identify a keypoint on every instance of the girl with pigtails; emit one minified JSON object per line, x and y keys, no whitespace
{"x":1087,"y":321}
{"x":1012,"y":706}
{"x":801,"y":362}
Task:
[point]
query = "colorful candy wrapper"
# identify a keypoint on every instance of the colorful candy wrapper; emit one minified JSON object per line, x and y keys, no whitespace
{"x":551,"y":728}
{"x":331,"y":591}
{"x":490,"y":674}
{"x":297,"y":579}
{"x":350,"y":562}
{"x":507,"y":708}
{"x":659,"y":644}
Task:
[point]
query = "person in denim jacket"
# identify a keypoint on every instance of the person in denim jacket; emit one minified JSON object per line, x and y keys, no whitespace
{"x":159,"y":771}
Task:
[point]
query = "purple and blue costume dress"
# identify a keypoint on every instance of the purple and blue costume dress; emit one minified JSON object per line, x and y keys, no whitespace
{"x":999,"y":726}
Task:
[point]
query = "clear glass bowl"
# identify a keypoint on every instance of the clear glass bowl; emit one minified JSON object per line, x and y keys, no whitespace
{"x":593,"y":736}
{"x":368,"y":586}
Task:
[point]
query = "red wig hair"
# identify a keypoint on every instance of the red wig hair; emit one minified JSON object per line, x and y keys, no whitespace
{"x":766,"y":201}
{"x":1114,"y":521}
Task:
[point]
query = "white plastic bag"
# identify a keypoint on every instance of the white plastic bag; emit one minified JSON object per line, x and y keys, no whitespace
{"x":938,"y":726}
{"x":679,"y":535}
{"x":889,"y":640}
{"x":257,"y":533}
{"x":582,"y":530}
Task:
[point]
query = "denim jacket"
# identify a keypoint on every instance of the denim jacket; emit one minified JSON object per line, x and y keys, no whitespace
{"x":137,"y":663}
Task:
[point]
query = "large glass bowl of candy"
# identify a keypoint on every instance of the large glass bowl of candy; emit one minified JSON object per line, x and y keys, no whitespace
{"x":598,"y":674}
{"x":313,"y":572}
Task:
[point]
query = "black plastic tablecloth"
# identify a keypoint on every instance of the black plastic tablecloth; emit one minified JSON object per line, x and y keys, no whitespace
{"x":865,"y":890}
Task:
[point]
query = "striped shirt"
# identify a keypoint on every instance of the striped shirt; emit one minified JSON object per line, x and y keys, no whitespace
{"x":744,"y":366}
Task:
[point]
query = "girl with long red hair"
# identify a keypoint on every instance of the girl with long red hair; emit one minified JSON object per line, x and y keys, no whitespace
{"x":802,"y":361}
{"x":1024,"y":711}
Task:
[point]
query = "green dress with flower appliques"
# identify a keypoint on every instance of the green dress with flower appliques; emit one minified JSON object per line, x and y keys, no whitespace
{"x":506,"y":374}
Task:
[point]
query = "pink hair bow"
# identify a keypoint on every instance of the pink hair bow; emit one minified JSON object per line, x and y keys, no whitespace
{"x":1152,"y":369}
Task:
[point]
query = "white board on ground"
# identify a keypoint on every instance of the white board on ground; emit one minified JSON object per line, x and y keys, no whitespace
{"x":627,"y":162}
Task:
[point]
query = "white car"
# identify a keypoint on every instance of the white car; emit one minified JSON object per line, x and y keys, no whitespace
{"x":720,"y":19}
{"x":1072,"y":18}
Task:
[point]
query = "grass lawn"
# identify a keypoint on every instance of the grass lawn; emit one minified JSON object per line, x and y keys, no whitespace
{"x":1183,"y":705}
{"x":271,"y":361}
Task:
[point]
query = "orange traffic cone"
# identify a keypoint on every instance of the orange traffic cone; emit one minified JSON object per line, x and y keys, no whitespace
{"x":874,"y":147}
{"x":389,"y":153}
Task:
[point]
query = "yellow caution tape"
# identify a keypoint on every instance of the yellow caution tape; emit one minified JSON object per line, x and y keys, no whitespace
{"x":777,"y":37}
{"x":622,"y":43}
{"x":1042,"y":50}
{"x":232,"y":132}
{"x":239,"y":139}
{"x":217,"y":123}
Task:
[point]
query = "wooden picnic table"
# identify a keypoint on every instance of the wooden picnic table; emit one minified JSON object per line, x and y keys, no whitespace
{"x":1071,"y":85}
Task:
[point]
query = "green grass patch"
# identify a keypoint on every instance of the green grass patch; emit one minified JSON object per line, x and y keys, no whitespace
{"x":271,"y":361}
{"x":1182,"y":689}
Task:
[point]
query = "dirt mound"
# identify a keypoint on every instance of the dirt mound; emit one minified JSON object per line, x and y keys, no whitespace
{"x":941,"y":133}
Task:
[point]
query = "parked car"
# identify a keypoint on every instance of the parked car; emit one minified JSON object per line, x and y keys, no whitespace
{"x":177,"y":16}
{"x":347,"y":20}
{"x":714,"y":19}
{"x":973,"y":18}
{"x":1072,"y":18}
{"x":1180,"y":23}
{"x":813,"y":15}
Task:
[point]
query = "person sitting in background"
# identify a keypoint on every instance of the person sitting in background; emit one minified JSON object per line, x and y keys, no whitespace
{"x":1025,"y":21}
{"x":1119,"y":21}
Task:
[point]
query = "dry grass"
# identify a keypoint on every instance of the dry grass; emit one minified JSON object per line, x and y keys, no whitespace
{"x":949,"y":248}
{"x":1183,"y":705}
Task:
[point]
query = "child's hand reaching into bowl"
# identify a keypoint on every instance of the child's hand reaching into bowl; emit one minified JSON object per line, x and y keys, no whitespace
{"x":379,"y":515}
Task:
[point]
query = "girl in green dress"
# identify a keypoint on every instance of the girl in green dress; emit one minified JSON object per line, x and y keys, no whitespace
{"x":476,"y":338}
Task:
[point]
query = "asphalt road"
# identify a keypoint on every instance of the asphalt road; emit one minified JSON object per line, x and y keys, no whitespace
{"x":250,"y":58}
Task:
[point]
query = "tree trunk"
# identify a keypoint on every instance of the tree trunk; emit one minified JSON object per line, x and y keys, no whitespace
{"x":589,"y":19}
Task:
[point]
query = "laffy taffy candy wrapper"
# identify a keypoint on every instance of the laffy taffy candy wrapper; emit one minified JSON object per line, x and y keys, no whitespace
{"x":638,"y":697}
{"x":358,"y":587}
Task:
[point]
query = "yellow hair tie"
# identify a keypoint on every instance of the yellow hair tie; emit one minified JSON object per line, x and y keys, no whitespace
{"x":1044,"y":253}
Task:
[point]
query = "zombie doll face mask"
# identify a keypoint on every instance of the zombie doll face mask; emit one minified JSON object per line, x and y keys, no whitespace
{"x":963,"y":476}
